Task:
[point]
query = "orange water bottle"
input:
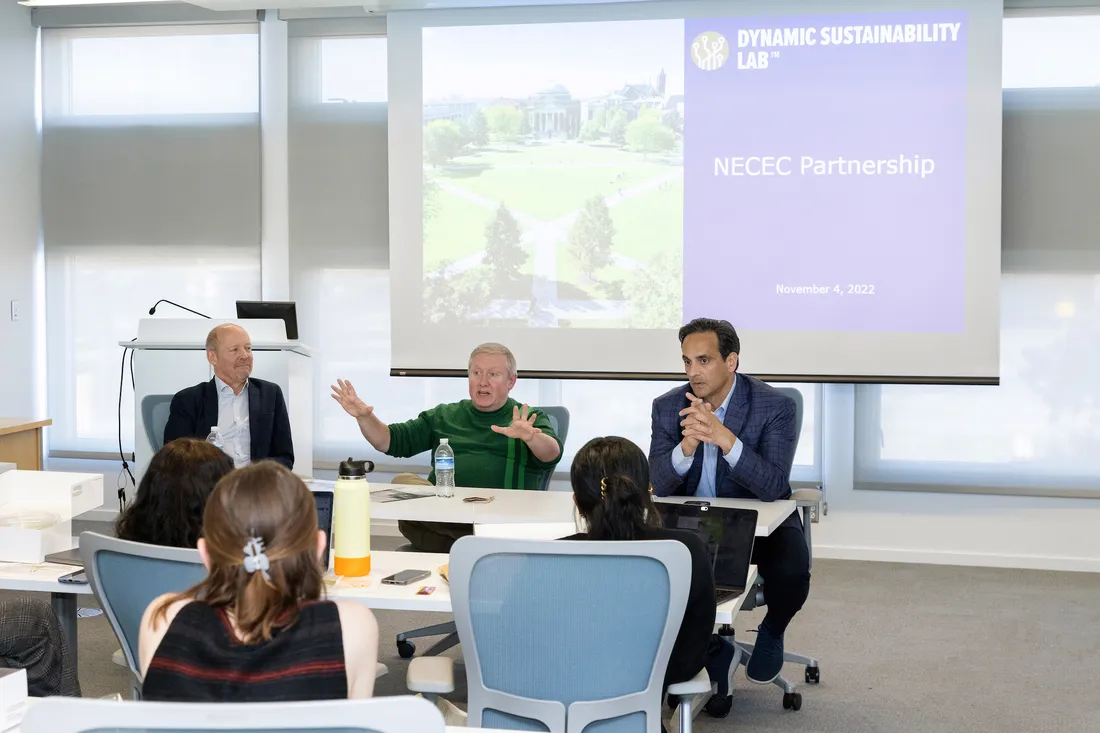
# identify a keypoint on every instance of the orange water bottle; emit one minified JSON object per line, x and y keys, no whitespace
{"x":351,"y":520}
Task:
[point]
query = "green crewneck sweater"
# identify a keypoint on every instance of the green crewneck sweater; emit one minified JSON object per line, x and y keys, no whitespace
{"x":483,"y":459}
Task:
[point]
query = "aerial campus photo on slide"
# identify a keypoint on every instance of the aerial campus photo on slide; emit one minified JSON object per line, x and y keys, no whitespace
{"x":787,"y":173}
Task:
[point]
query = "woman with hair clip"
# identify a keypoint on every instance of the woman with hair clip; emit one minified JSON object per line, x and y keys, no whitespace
{"x":611,"y":489}
{"x":256,"y":629}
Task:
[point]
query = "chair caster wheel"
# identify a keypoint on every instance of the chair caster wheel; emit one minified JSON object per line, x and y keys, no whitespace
{"x":792,"y":701}
{"x":405,"y":649}
{"x":813,"y":675}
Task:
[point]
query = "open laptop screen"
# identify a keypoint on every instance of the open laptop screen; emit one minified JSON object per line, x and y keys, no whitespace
{"x":324,"y":500}
{"x":727,"y":533}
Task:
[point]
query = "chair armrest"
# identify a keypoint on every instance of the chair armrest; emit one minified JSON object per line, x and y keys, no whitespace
{"x":380,"y":670}
{"x":431,"y":674}
{"x":806,"y":497}
{"x":700,"y":683}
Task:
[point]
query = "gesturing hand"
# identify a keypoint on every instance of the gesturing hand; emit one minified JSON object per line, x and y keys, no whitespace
{"x":344,"y":393}
{"x":702,"y":425}
{"x":522,"y":427}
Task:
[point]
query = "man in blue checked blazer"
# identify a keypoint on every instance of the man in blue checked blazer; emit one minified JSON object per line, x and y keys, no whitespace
{"x":729,"y":435}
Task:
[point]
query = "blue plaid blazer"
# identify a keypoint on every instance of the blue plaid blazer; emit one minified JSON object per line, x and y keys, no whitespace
{"x":759,"y":415}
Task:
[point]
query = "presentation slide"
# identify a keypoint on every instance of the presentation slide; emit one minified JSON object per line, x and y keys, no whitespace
{"x":793,"y":174}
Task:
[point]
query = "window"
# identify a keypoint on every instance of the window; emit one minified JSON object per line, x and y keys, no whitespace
{"x":1038,"y":429}
{"x":154,"y":71}
{"x":94,"y":301}
{"x":1036,"y":432}
{"x":151,"y":168}
{"x":1048,"y":53}
{"x":353,"y":70}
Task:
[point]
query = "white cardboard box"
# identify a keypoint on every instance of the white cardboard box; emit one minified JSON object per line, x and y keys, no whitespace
{"x":7,"y":467}
{"x":65,"y":495}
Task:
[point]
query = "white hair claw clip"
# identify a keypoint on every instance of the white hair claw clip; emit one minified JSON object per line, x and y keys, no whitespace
{"x":255,"y":558}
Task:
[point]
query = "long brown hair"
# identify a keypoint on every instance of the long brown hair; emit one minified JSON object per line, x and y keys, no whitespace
{"x":268,"y":502}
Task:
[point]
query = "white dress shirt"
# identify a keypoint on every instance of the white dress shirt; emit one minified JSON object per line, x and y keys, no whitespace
{"x":233,"y":423}
{"x":681,"y":463}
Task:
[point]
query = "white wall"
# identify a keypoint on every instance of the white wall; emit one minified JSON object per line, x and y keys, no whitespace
{"x":948,"y":529}
{"x":20,"y":212}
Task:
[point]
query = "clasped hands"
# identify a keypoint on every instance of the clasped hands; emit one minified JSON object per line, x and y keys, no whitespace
{"x":701,"y":425}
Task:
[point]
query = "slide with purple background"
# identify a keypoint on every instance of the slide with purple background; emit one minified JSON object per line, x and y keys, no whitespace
{"x":824,"y":171}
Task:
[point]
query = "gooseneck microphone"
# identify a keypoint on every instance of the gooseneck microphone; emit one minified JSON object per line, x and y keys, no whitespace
{"x":153,"y":310}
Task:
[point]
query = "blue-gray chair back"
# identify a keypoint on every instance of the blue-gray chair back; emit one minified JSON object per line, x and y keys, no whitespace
{"x":567,"y":636}
{"x":380,"y":715}
{"x":154,"y":415}
{"x":127,"y":576}
{"x":796,"y":395}
{"x":559,"y":420}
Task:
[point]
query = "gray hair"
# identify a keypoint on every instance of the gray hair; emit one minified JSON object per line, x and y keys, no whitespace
{"x":494,"y":349}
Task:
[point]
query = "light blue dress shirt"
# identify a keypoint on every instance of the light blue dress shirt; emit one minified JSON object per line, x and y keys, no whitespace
{"x":681,"y":463}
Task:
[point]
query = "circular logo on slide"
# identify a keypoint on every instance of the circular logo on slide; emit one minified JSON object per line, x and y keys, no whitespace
{"x":710,"y":50}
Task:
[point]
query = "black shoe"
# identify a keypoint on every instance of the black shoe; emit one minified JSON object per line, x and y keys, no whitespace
{"x":720,"y":665}
{"x":766,"y":661}
{"x":718,"y":706}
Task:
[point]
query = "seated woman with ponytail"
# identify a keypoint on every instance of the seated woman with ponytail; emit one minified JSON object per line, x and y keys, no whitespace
{"x":257,"y":629}
{"x":611,"y":489}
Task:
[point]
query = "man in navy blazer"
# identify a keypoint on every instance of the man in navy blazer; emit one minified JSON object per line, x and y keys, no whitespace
{"x":250,"y":414}
{"x":729,"y":435}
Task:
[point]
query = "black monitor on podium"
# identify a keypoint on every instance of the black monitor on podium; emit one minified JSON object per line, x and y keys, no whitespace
{"x":271,"y":309}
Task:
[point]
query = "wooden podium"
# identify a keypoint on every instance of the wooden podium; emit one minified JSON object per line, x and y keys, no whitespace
{"x":170,"y":354}
{"x":21,"y":442}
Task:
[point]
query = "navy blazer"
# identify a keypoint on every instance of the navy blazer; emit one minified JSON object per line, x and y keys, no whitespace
{"x":760,"y":416}
{"x":195,"y":409}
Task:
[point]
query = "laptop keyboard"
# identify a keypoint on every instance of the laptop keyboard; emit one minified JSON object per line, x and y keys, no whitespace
{"x":722,"y":596}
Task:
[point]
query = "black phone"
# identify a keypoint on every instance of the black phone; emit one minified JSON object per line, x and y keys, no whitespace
{"x":405,"y":577}
{"x":77,"y":578}
{"x":697,"y":503}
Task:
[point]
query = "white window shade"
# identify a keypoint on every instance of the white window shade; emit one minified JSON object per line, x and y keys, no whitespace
{"x":1038,"y":431}
{"x":150,"y":176}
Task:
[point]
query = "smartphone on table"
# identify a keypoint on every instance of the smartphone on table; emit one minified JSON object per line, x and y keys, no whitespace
{"x":405,"y":577}
{"x":77,"y":578}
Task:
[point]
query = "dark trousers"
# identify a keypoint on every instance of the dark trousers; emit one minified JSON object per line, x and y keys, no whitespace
{"x":433,"y":536}
{"x":783,"y":561}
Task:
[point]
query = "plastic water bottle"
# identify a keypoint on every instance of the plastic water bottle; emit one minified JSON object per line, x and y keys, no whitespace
{"x":215,"y":438}
{"x":444,"y":469}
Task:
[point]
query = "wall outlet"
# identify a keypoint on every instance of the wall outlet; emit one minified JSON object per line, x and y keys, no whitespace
{"x":15,"y":310}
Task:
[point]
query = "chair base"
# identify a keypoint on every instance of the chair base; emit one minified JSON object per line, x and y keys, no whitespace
{"x":448,"y":630}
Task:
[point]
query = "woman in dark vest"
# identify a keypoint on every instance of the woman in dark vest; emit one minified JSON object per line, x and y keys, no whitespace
{"x":257,"y":629}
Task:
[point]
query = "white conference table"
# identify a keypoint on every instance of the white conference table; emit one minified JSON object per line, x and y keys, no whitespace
{"x":369,"y":590}
{"x":509,"y":506}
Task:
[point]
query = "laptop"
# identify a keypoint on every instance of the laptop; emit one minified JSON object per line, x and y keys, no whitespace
{"x":323,"y":499}
{"x":68,"y":557}
{"x":728,"y":535}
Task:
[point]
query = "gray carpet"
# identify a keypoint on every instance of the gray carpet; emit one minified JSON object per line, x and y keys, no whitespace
{"x":902,"y":648}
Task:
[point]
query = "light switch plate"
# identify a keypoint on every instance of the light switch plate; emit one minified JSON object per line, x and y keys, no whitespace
{"x":15,"y":310}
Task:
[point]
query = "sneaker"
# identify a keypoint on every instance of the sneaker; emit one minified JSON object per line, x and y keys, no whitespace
{"x":718,"y":706}
{"x":766,"y":661}
{"x":720,"y":665}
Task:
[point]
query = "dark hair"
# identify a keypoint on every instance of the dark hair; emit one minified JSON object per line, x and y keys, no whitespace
{"x":171,"y":497}
{"x":268,"y":502}
{"x":728,"y":343}
{"x":610,"y":478}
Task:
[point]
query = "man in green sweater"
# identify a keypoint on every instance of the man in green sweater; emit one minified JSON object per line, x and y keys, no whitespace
{"x":498,"y":443}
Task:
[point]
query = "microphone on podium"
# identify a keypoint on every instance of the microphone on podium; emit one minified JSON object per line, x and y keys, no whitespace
{"x":153,"y":310}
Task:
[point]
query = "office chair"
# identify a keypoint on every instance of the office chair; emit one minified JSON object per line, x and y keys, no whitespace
{"x":559,"y":420}
{"x":806,"y":500}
